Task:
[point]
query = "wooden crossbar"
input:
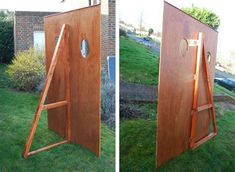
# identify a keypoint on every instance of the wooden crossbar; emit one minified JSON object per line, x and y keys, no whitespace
{"x":204,"y":107}
{"x":60,"y":50}
{"x":201,"y":55}
{"x":54,"y":105}
{"x":203,"y":140}
{"x":47,"y":147}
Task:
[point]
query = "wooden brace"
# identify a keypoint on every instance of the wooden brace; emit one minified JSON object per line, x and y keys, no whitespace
{"x":196,"y":108}
{"x":60,"y":49}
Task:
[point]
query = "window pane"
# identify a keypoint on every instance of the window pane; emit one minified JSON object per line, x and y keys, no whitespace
{"x":39,"y":40}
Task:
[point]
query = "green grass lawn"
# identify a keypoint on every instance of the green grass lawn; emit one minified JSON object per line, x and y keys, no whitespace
{"x":221,"y":90}
{"x":149,"y":110}
{"x":138,"y":148}
{"x":138,"y":136}
{"x":16,"y":115}
{"x":137,"y":63}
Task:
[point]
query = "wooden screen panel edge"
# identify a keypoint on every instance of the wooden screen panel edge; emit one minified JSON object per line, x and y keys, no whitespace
{"x":84,"y":76}
{"x":176,"y":76}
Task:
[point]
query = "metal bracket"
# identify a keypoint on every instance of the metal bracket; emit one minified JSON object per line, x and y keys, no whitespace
{"x":193,"y":42}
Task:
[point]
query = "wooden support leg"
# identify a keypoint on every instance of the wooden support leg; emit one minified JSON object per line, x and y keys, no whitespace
{"x":196,"y":109}
{"x":61,"y":45}
{"x":195,"y":92}
{"x":210,"y":93}
{"x":67,"y":81}
{"x":32,"y":132}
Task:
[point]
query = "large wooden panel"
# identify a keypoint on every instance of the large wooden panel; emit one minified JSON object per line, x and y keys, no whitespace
{"x":175,"y":90}
{"x":84,"y":76}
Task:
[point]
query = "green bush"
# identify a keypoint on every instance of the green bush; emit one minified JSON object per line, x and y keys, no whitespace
{"x":150,"y":31}
{"x":27,"y":70}
{"x":122,"y":32}
{"x":206,"y":16}
{"x":6,"y":35}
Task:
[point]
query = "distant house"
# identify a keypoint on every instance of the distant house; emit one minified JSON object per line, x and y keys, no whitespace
{"x":127,"y":27}
{"x":141,"y":32}
{"x":29,"y":26}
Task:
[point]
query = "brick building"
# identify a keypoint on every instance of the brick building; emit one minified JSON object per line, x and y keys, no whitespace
{"x":29,"y":27}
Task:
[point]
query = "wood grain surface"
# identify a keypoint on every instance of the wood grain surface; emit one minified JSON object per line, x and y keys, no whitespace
{"x":84,"y":76}
{"x":175,"y":90}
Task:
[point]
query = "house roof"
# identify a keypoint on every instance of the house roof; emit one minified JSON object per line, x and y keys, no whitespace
{"x":33,"y":13}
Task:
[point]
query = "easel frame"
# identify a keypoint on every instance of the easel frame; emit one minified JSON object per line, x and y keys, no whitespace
{"x":60,"y":49}
{"x":176,"y":84}
{"x":201,"y":55}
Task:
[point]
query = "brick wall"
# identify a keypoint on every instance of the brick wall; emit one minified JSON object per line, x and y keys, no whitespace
{"x":25,"y":23}
{"x":28,"y":22}
{"x":112,"y":26}
{"x":108,"y":29}
{"x":104,"y":30}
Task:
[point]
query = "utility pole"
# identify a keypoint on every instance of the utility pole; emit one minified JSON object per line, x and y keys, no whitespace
{"x":141,"y":20}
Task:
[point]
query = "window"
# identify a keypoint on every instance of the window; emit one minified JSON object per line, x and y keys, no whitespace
{"x":39,"y":40}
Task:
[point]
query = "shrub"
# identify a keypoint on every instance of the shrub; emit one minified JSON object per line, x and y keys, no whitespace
{"x":206,"y":16}
{"x":6,"y":35}
{"x":150,"y":31}
{"x":107,"y":100}
{"x":129,"y":111}
{"x":27,"y":70}
{"x":122,"y":32}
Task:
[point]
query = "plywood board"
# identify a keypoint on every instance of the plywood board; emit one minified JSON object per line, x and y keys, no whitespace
{"x":175,"y":90}
{"x":84,"y":76}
